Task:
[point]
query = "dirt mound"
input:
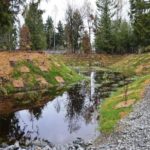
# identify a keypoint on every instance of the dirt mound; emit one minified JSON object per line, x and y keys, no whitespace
{"x":7,"y":57}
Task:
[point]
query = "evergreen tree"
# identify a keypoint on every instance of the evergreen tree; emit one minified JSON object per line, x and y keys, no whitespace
{"x":122,"y":36}
{"x":74,"y":24}
{"x":140,"y":15}
{"x":49,"y":30}
{"x":36,"y":27}
{"x":77,"y":28}
{"x":103,"y":41}
{"x":60,"y":35}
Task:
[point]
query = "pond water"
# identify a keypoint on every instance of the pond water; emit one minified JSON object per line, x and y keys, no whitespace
{"x":68,"y":116}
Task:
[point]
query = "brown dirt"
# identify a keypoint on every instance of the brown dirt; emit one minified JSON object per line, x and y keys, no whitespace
{"x":59,"y":79}
{"x":24,"y":69}
{"x":125,"y":104}
{"x":5,"y":58}
{"x":42,"y":81}
{"x":18,"y":83}
{"x":123,"y":114}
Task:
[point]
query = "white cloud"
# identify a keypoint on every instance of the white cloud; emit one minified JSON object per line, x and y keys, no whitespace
{"x":56,"y":8}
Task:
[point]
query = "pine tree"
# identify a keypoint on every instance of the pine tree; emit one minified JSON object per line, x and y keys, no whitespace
{"x":140,"y":15}
{"x":77,"y":28}
{"x":60,"y":35}
{"x":74,"y":24}
{"x":103,"y":41}
{"x":49,"y":31}
{"x":36,"y":27}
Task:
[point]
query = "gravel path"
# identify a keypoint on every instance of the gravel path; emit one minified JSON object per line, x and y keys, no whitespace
{"x":134,"y":131}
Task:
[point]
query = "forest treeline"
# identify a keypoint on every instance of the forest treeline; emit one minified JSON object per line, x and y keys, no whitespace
{"x":112,"y":33}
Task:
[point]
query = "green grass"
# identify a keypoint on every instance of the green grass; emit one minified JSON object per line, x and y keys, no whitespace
{"x":109,"y":115}
{"x":30,"y":79}
{"x":130,"y":63}
{"x":134,"y":66}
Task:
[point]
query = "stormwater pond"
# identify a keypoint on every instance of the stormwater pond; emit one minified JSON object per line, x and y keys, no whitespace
{"x":65,"y":117}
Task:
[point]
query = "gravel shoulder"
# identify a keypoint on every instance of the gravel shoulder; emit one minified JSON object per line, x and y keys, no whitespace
{"x":133,"y":132}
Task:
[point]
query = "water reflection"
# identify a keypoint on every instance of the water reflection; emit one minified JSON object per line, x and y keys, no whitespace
{"x":73,"y":114}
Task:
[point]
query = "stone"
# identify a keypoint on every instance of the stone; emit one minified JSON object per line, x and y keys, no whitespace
{"x":16,"y":144}
{"x":38,"y":148}
{"x":18,"y":83}
{"x":47,"y":148}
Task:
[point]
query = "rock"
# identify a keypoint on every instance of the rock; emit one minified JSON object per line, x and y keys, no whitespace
{"x":16,"y":145}
{"x":135,"y":129}
{"x":3,"y":145}
{"x":11,"y":147}
{"x":47,"y":148}
{"x":38,"y":148}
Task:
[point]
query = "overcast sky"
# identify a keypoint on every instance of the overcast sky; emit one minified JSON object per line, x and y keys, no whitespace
{"x":58,"y":7}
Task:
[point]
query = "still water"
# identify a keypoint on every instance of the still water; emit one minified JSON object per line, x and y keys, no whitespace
{"x":68,"y":116}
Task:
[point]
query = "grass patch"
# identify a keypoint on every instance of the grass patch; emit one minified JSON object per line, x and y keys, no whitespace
{"x":109,"y":115}
{"x":134,"y":66}
{"x":30,"y":79}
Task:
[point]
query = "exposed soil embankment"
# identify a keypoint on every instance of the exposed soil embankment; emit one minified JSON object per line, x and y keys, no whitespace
{"x":25,"y":71}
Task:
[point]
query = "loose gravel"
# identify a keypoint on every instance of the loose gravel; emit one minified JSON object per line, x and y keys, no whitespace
{"x":133,"y":131}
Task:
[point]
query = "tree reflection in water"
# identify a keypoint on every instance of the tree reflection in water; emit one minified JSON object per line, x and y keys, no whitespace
{"x":36,"y":112}
{"x":75,"y":106}
{"x":10,"y":129}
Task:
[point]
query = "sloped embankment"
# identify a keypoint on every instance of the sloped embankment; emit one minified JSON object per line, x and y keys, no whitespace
{"x":25,"y":71}
{"x":120,"y":103}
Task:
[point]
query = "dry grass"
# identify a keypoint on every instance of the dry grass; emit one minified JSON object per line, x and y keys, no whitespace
{"x":5,"y":58}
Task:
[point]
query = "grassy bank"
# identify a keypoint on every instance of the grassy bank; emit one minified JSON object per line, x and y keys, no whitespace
{"x":137,"y":67}
{"x":24,"y":71}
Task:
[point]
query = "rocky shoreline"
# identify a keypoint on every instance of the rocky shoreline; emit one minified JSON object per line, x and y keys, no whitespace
{"x":78,"y":144}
